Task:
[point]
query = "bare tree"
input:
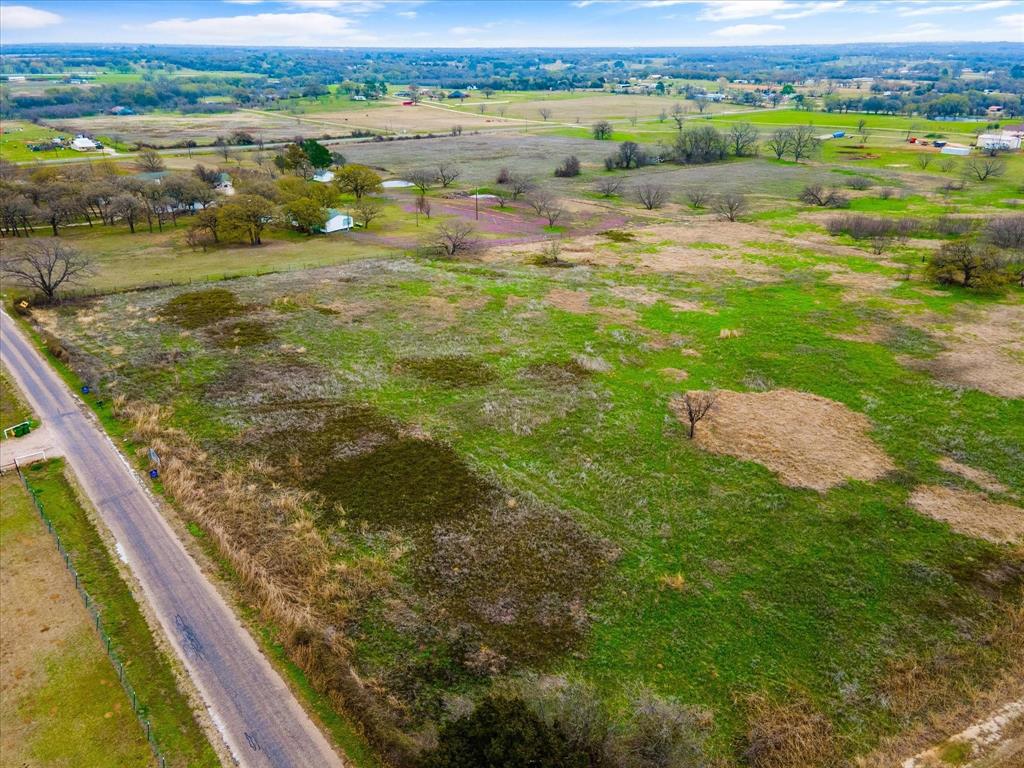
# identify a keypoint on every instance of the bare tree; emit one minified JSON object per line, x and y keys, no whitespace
{"x":149,"y":160}
{"x":423,"y":205}
{"x":481,"y":107}
{"x":983,"y":167}
{"x":447,"y":173}
{"x":826,"y":197}
{"x":698,"y":197}
{"x":608,"y":186}
{"x":923,"y":161}
{"x":539,"y":199}
{"x":367,"y":209}
{"x":730,"y":205}
{"x":804,"y":142}
{"x":422,"y":179}
{"x":45,"y":265}
{"x":651,"y":195}
{"x":519,"y":185}
{"x":454,"y":238}
{"x":678,"y":115}
{"x":742,"y":139}
{"x":779,"y":142}
{"x":697,"y":405}
{"x":545,"y":113}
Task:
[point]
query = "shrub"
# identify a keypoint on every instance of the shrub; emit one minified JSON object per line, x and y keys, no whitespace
{"x":784,"y":735}
{"x":816,"y":194}
{"x":664,"y":734}
{"x":1006,"y":232}
{"x":569,"y":167}
{"x":859,"y":183}
{"x":504,"y":175}
{"x":973,"y":265}
{"x":952,"y":225}
{"x":501,"y":733}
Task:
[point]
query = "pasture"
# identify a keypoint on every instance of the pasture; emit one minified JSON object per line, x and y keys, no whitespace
{"x":493,"y":450}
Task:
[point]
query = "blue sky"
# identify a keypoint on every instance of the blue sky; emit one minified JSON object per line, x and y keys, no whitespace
{"x":500,"y":23}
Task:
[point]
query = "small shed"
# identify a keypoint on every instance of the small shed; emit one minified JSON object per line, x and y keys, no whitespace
{"x":324,"y":177}
{"x":337,"y":221}
{"x":950,"y":149}
{"x":224,"y":185}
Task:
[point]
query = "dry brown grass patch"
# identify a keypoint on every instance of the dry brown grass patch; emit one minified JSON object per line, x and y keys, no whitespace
{"x":971,"y":513}
{"x":984,"y":351}
{"x":809,"y":441}
{"x":788,"y":734}
{"x":979,"y":477}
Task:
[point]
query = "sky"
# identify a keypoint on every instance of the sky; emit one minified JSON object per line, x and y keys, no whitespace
{"x":503,"y":23}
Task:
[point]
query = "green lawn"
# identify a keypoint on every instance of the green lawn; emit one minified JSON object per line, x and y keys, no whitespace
{"x":18,"y":134}
{"x":147,"y":667}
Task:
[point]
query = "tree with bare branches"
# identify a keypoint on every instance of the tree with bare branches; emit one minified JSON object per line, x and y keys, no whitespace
{"x":984,"y":167}
{"x":447,"y":173}
{"x":520,"y":185}
{"x":696,"y":406}
{"x":779,"y":142}
{"x":149,"y":160}
{"x":601,"y":130}
{"x":423,"y":179}
{"x":730,"y":205}
{"x":651,"y":195}
{"x":742,"y":138}
{"x":45,"y":265}
{"x":698,"y":197}
{"x":545,"y":113}
{"x":608,"y":186}
{"x":454,"y":238}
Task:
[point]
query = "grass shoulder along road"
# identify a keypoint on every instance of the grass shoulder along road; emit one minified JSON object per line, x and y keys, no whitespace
{"x":13,"y":409}
{"x":62,"y":704}
{"x":147,"y":666}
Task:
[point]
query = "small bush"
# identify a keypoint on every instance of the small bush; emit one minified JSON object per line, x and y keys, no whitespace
{"x":570,"y":167}
{"x":972,"y":265}
{"x":785,"y":735}
{"x":952,"y":225}
{"x":199,"y":308}
{"x":504,"y":176}
{"x":859,"y":183}
{"x":618,"y":236}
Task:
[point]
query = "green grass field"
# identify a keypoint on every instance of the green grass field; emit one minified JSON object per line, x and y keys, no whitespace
{"x":62,"y":705}
{"x":16,"y":137}
{"x":149,"y":670}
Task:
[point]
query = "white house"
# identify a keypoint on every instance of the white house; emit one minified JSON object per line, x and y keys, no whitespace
{"x":1006,"y":140}
{"x":337,"y":221}
{"x":324,"y":177}
{"x":84,"y":144}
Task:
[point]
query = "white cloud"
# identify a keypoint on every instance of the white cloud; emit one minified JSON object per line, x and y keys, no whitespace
{"x":407,"y":14}
{"x":243,"y":2}
{"x":812,"y":9}
{"x":352,"y":6}
{"x":261,"y":29}
{"x":930,"y":10}
{"x":26,"y":17}
{"x":746,"y":30}
{"x":727,"y":10}
{"x":1013,"y":20}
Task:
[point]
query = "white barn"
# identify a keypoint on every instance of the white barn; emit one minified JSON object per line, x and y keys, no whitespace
{"x":84,"y":144}
{"x":337,"y":222}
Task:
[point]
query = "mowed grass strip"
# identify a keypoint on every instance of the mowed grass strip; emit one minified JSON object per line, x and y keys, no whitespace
{"x":13,"y":409}
{"x":62,"y":703}
{"x":147,"y":667}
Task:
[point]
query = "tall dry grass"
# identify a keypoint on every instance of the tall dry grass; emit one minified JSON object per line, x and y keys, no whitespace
{"x":285,"y":567}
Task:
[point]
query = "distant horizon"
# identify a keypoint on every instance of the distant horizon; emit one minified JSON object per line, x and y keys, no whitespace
{"x":503,"y":24}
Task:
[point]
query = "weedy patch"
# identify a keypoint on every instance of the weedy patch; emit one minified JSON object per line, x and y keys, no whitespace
{"x":201,"y":308}
{"x":449,"y":370}
{"x":241,"y":333}
{"x":618,"y":235}
{"x":569,"y":372}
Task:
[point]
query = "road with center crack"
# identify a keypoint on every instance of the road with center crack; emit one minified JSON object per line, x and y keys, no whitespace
{"x":255,"y":712}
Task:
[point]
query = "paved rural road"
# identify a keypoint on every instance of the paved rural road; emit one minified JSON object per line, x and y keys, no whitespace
{"x":260,"y":719}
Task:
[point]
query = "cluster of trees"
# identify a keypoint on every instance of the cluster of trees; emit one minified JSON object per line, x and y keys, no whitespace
{"x":185,"y":94}
{"x":55,"y":197}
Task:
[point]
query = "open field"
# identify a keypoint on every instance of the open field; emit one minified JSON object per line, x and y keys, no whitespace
{"x":459,"y":430}
{"x":169,"y":129}
{"x":62,"y":703}
{"x":18,"y":134}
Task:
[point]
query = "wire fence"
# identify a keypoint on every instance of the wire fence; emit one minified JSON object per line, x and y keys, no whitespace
{"x":138,"y":707}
